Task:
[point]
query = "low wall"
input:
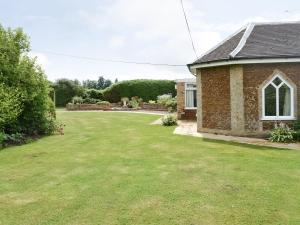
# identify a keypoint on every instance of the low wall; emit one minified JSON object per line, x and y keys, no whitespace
{"x":114,"y":106}
{"x":155,"y":107}
{"x":75,"y":107}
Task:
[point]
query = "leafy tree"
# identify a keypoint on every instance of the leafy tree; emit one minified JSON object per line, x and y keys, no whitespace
{"x":24,"y":87}
{"x":107,"y":83}
{"x":65,"y":90}
{"x":89,"y":84}
{"x":100,"y":83}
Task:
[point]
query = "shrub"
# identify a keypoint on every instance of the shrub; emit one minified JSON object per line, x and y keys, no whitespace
{"x":282,"y":133}
{"x":2,"y":139}
{"x":90,"y":100}
{"x":65,"y":90}
{"x":93,"y":93}
{"x":297,"y":130}
{"x":168,"y":101}
{"x":10,"y":105}
{"x":103,"y":103}
{"x":171,"y":104}
{"x":146,"y":89}
{"x":169,"y":120}
{"x":151,"y":102}
{"x":19,"y":72}
{"x":162,"y":99}
{"x":77,"y":100}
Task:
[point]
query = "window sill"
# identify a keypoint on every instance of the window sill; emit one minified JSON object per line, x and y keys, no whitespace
{"x":190,"y":108}
{"x":277,"y":118}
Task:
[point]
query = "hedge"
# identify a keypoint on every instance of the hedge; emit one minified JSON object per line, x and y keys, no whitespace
{"x":145,"y":89}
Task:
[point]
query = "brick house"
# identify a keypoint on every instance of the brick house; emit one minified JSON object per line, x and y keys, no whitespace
{"x":186,"y":99}
{"x":250,"y":81}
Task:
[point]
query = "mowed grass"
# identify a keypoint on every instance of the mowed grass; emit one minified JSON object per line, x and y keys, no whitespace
{"x":115,"y":168}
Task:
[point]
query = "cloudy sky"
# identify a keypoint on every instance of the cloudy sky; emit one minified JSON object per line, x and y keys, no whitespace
{"x":131,"y":30}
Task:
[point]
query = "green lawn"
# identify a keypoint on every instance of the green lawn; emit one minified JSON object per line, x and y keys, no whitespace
{"x":115,"y":168}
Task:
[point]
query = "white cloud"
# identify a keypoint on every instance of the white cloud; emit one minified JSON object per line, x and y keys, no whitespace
{"x":41,"y":58}
{"x":117,"y":41}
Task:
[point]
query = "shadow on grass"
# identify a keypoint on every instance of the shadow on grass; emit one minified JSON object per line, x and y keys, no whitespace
{"x":251,"y":146}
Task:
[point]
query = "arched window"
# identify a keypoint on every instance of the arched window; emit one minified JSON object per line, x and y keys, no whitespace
{"x":277,"y":100}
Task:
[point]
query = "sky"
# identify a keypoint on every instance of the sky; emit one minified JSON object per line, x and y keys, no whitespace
{"x":131,"y":30}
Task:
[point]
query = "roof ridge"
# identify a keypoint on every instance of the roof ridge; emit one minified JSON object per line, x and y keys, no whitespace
{"x":222,"y":42}
{"x":243,"y":40}
{"x":277,"y":22}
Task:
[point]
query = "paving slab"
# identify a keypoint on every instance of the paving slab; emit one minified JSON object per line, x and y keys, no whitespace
{"x":190,"y":128}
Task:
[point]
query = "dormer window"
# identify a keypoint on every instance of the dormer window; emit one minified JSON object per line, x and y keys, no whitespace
{"x":278,"y":100}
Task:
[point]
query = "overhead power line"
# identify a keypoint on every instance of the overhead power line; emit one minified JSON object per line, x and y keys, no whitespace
{"x":188,"y":28}
{"x":108,"y":60}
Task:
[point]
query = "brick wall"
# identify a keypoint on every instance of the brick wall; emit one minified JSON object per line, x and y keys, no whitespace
{"x":216,"y":98}
{"x":254,"y":77}
{"x":180,"y":100}
{"x":182,"y":113}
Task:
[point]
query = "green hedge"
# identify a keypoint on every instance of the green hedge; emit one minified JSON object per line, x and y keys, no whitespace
{"x":145,"y":89}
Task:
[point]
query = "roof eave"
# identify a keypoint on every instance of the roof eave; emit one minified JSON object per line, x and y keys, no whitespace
{"x":234,"y":61}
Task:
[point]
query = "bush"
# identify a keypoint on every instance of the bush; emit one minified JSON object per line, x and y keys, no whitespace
{"x":282,"y":133}
{"x":162,"y":99}
{"x":65,"y":90}
{"x":94,"y":94}
{"x":297,"y":130}
{"x":10,"y":105}
{"x":169,"y":120}
{"x":2,"y":139}
{"x":103,"y":103}
{"x":146,"y":89}
{"x":151,"y":102}
{"x":171,"y":104}
{"x":28,"y":110}
{"x":168,"y":101}
{"x":90,"y":101}
{"x":77,"y":100}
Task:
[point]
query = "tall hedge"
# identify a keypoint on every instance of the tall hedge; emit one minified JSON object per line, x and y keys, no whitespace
{"x":65,"y":90}
{"x":146,"y":89}
{"x":24,"y":91}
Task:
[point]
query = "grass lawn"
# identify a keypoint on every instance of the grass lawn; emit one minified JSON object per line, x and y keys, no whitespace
{"x":115,"y":168}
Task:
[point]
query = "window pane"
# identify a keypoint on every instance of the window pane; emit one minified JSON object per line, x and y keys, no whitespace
{"x":191,"y":86}
{"x":195,"y":98}
{"x":284,"y":100}
{"x":270,"y":101}
{"x":277,"y":81}
{"x":189,"y":99}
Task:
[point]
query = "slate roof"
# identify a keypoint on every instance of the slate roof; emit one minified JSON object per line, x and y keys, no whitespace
{"x":258,"y":41}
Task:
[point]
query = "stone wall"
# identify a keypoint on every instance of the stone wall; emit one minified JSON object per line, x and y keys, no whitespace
{"x":230,"y":97}
{"x":182,"y":113}
{"x":254,"y":77}
{"x":216,"y":106}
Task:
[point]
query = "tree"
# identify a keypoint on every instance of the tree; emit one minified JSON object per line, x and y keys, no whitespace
{"x":30,"y":109}
{"x":107,"y":83}
{"x":90,"y":84}
{"x":116,"y":80}
{"x":65,"y":90}
{"x":100,"y":83}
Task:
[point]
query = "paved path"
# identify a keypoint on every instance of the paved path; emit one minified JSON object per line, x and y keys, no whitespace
{"x":190,"y":128}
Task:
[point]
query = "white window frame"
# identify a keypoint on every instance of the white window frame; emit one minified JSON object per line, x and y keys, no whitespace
{"x":190,"y":89}
{"x":277,"y":117}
